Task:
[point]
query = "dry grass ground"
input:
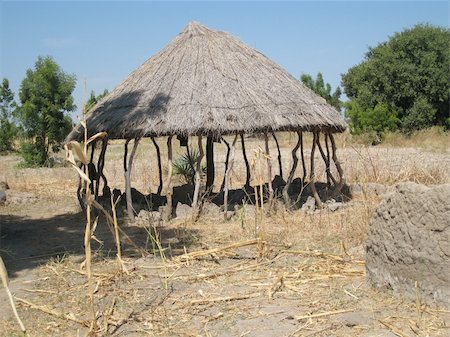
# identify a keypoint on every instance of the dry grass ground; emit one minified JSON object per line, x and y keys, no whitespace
{"x":211,"y":278}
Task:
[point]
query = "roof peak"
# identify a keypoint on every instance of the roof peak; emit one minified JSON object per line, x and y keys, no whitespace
{"x":196,"y":28}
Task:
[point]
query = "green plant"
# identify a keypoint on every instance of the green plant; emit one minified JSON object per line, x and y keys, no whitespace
{"x":184,"y":165}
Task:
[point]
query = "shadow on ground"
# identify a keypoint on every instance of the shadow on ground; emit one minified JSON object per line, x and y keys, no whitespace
{"x":27,"y":243}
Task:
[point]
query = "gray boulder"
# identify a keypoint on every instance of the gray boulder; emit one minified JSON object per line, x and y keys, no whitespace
{"x":409,"y":243}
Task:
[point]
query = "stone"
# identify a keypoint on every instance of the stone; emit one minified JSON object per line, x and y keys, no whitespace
{"x":2,"y":197}
{"x":309,"y":205}
{"x":4,"y":185}
{"x":409,"y":243}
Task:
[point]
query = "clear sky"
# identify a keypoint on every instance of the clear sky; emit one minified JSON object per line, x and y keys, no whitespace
{"x":105,"y":41}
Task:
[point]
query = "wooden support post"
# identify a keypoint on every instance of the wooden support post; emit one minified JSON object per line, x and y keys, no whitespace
{"x":280,"y":165}
{"x":128,"y":169}
{"x":287,"y":199}
{"x":326,"y":161}
{"x":210,"y":169}
{"x":158,"y":157}
{"x":226,"y":164}
{"x":341,"y":181}
{"x":168,"y":187}
{"x":198,"y":172}
{"x":303,"y":158}
{"x":100,"y":166}
{"x":92,"y":172}
{"x":269,"y":169}
{"x":327,"y":148}
{"x":247,"y":165}
{"x":227,"y":178}
{"x":312,"y":177}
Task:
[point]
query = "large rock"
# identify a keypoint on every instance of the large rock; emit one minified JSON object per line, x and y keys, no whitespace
{"x":409,"y":242}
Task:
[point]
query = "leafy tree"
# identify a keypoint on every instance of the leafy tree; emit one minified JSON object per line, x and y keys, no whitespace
{"x":8,"y":130}
{"x":93,"y":99}
{"x":319,"y":87}
{"x":46,"y":97}
{"x":408,"y":74}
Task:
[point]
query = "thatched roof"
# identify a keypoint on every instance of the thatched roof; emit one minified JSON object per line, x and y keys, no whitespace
{"x":209,"y":82}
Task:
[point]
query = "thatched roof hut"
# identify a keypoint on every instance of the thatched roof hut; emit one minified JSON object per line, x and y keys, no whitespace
{"x":208,"y":82}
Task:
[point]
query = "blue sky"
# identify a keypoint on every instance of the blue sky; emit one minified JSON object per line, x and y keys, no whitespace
{"x":104,"y":41}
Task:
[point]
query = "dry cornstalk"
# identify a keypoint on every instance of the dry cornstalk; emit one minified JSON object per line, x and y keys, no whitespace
{"x":323,"y":314}
{"x":69,"y":317}
{"x":5,"y":281}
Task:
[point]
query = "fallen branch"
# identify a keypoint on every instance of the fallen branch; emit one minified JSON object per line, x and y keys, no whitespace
{"x":224,"y":299}
{"x":393,"y":329}
{"x":201,"y":253}
{"x":69,"y":317}
{"x":323,"y":314}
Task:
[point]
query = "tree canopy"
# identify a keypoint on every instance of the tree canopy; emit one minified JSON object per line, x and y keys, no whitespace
{"x":408,"y":76}
{"x":94,"y":99}
{"x":319,"y":87}
{"x":46,"y":97}
{"x":8,"y":129}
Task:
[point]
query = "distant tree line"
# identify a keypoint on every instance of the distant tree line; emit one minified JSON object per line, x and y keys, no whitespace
{"x":402,"y":84}
{"x":38,"y":124}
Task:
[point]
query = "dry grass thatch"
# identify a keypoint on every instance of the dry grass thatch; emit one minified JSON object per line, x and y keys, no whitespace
{"x":209,"y":82}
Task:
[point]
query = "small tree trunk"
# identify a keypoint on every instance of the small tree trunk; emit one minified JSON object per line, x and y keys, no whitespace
{"x":312,"y":177}
{"x":226,"y":164}
{"x":158,"y":157}
{"x":341,"y":181}
{"x":247,"y":166}
{"x":280,"y":165}
{"x":198,"y":172}
{"x":326,"y":161}
{"x":303,"y":158}
{"x":269,"y":169}
{"x":169,"y":192}
{"x":227,"y":178}
{"x":210,"y":169}
{"x":287,"y":199}
{"x":128,"y":169}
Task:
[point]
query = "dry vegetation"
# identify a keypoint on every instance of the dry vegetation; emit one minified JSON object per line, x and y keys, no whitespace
{"x":211,"y":277}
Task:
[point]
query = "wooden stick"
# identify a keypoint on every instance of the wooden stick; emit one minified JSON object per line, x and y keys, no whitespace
{"x":280,"y":165}
{"x":5,"y":281}
{"x":130,"y":210}
{"x":312,"y":177}
{"x":323,"y":314}
{"x":226,"y":163}
{"x":169,"y":192}
{"x":224,"y":299}
{"x":303,"y":158}
{"x":247,"y":165}
{"x":269,"y":169}
{"x":227,"y":178}
{"x":395,"y":330}
{"x":341,"y":181}
{"x":287,"y":199}
{"x":53,"y":312}
{"x":198,"y":170}
{"x":100,"y":167}
{"x":158,"y":157}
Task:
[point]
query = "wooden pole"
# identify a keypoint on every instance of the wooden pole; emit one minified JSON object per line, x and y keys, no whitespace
{"x":326,"y":161}
{"x":198,"y":172}
{"x":303,"y":158}
{"x":158,"y":157}
{"x":341,"y":181}
{"x":247,"y":165}
{"x":100,"y":166}
{"x":169,"y":192}
{"x":280,"y":165}
{"x":129,"y":167}
{"x":227,"y":178}
{"x":269,"y":169}
{"x":226,"y":164}
{"x":312,"y":177}
{"x":210,"y":169}
{"x":287,"y":199}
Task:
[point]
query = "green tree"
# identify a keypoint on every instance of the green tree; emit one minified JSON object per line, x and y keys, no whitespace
{"x":319,"y":87}
{"x":408,"y":74}
{"x":8,"y":130}
{"x":94,"y":99}
{"x":46,"y":97}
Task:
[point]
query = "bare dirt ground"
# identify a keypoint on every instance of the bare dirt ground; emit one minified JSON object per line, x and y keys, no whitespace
{"x":208,"y":277}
